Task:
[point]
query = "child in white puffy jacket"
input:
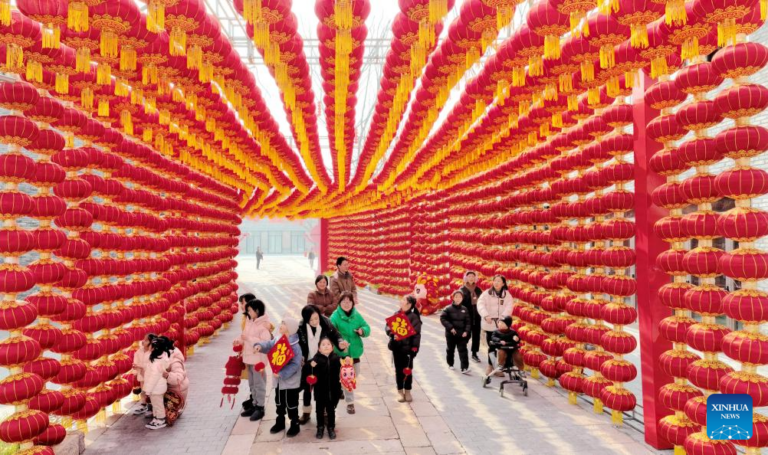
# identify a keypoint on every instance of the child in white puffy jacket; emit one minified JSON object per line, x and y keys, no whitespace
{"x":156,"y":384}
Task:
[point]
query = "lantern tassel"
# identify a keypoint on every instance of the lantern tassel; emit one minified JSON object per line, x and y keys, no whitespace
{"x":103,"y":74}
{"x":565,"y":83}
{"x":127,"y":59}
{"x":83,"y":60}
{"x":726,"y":32}
{"x":5,"y":13}
{"x":593,"y":96}
{"x":587,"y":71}
{"x":535,"y":67}
{"x":14,"y":57}
{"x":437,"y":10}
{"x":573,"y":398}
{"x":117,"y":407}
{"x":34,"y":71}
{"x":86,"y":98}
{"x":156,"y":16}
{"x":639,"y":37}
{"x":597,"y":406}
{"x":573,"y":103}
{"x":674,"y":12}
{"x":763,"y":9}
{"x":617,"y":417}
{"x":62,"y":84}
{"x":551,"y":47}
{"x":77,"y":17}
{"x":690,"y":48}
{"x":108,"y":44}
{"x":607,"y":57}
{"x":103,"y":108}
{"x":178,"y":42}
{"x":126,"y":122}
{"x":659,"y":67}
{"x":51,"y":36}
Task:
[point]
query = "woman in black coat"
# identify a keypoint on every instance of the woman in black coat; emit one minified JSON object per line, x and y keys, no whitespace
{"x":313,"y":327}
{"x":404,"y":351}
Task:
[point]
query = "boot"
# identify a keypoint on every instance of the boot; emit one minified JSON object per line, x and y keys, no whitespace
{"x":248,"y":412}
{"x":279,"y":425}
{"x":331,"y":433}
{"x":320,"y":430}
{"x":400,"y":396}
{"x":408,"y":397}
{"x":248,"y":404}
{"x":305,"y":416}
{"x":257,"y":414}
{"x":294,"y":429}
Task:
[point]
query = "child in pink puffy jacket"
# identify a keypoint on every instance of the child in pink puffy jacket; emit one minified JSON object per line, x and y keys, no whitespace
{"x":140,"y":361}
{"x":257,"y":330}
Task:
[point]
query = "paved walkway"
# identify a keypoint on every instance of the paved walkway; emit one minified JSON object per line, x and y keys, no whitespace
{"x":451,"y":413}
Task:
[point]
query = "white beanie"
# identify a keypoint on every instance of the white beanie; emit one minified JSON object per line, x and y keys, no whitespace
{"x":291,"y":324}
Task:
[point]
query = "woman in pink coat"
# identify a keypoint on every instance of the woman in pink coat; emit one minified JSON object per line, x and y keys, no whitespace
{"x":257,"y":330}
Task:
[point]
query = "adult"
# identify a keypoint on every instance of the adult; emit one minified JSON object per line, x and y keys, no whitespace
{"x":353,"y":328}
{"x":312,"y":328}
{"x":257,"y":329}
{"x":493,"y":304}
{"x":321,"y":297}
{"x":342,"y":280}
{"x":471,"y":292}
{"x":259,"y":257}
{"x":405,"y":350}
{"x":311,"y":257}
{"x":178,"y":382}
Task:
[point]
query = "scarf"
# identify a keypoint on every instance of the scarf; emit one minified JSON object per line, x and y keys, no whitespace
{"x":313,"y":339}
{"x":472,"y":293}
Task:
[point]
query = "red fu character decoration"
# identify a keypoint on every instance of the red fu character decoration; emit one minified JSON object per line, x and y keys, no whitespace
{"x":400,"y":326}
{"x":280,"y":354}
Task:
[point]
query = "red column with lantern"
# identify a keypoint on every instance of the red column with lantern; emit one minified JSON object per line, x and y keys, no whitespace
{"x":648,"y":246}
{"x":323,"y":254}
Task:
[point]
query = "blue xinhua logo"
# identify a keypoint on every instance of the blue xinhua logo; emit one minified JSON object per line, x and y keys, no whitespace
{"x":729,"y":416}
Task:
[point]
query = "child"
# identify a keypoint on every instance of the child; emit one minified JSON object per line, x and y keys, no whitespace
{"x":353,"y":328}
{"x":326,"y":367}
{"x":256,"y":330}
{"x":404,"y":351}
{"x":287,"y":380}
{"x":456,"y":320}
{"x":505,"y":341}
{"x":140,"y":361}
{"x":156,"y":384}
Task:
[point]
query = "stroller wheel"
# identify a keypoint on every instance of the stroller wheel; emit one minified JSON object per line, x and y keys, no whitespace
{"x":525,"y":388}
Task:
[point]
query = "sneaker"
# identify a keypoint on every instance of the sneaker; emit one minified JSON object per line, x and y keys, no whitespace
{"x":465,"y":371}
{"x":350,"y":408}
{"x":140,"y":410}
{"x":451,"y":367}
{"x":475,"y":357}
{"x":156,"y":424}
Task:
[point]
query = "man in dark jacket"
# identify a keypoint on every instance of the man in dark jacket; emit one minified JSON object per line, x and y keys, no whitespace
{"x":455,"y":318}
{"x":471,"y":292}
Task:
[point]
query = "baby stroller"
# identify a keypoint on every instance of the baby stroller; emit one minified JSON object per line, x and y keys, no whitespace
{"x":503,"y":361}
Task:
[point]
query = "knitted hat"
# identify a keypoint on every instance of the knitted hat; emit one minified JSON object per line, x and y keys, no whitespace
{"x":457,"y":291}
{"x":291,"y":324}
{"x":507,"y":320}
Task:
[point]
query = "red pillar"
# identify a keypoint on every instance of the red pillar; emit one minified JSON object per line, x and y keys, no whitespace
{"x":322,"y":258}
{"x":649,"y":276}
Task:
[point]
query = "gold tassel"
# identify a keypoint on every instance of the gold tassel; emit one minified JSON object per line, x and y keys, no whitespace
{"x":103,"y":108}
{"x":437,"y":10}
{"x":518,"y":77}
{"x":121,"y":89}
{"x":575,"y":20}
{"x":612,"y":87}
{"x":101,"y":417}
{"x":639,"y":36}
{"x":117,"y":407}
{"x":69,"y":141}
{"x":194,"y":57}
{"x":674,"y":13}
{"x":573,"y":398}
{"x":82,"y":426}
{"x":726,"y":32}
{"x":607,"y":57}
{"x":551,"y":47}
{"x":608,"y":6}
{"x":343,"y":14}
{"x":127,"y":59}
{"x":473,"y":55}
{"x":156,"y":16}
{"x":557,"y":119}
{"x":629,"y":79}
{"x":690,"y":48}
{"x":77,"y":17}
{"x":126,"y":122}
{"x":544,"y":129}
{"x":763,"y":9}
{"x":573,"y":103}
{"x":659,"y":67}
{"x":83,"y":60}
{"x":597,"y":406}
{"x":103,"y":74}
{"x":261,"y":34}
{"x":617,"y":417}
{"x":34,"y":71}
{"x":587,"y":71}
{"x":177,"y":45}
{"x":5,"y":13}
{"x":679,"y":450}
{"x":147,"y":135}
{"x":14,"y":57}
{"x":108,"y":44}
{"x":535,"y":66}
{"x":593,"y":96}
{"x":566,"y":83}
{"x":86,"y":98}
{"x":62,"y":84}
{"x":51,"y":36}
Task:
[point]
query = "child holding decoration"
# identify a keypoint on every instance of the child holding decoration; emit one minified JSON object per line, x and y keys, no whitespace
{"x":404,"y":331}
{"x":256,"y":330}
{"x":353,"y":328}
{"x":325,"y":379}
{"x":456,"y":320}
{"x":285,"y":359}
{"x":156,"y":384}
{"x":140,"y":361}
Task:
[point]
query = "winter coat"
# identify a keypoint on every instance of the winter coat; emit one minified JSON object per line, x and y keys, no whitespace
{"x":328,"y":372}
{"x":343,"y":282}
{"x":141,"y":359}
{"x":510,"y":337}
{"x":489,"y":306}
{"x":408,"y":345}
{"x":328,"y":330}
{"x":178,"y":381}
{"x":154,"y":382}
{"x":289,"y":376}
{"x":346,"y":325}
{"x":456,"y":317}
{"x":255,"y":331}
{"x":466,"y":301}
{"x":324,"y":301}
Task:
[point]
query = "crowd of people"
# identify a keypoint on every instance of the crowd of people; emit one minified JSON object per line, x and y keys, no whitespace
{"x":328,"y":340}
